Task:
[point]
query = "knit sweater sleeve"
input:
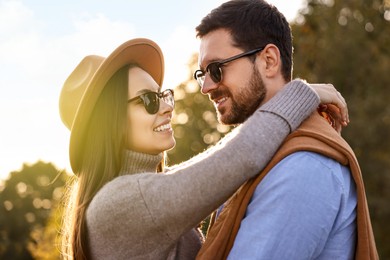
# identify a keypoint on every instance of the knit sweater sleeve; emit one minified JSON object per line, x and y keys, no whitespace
{"x":185,"y":195}
{"x":167,"y":205}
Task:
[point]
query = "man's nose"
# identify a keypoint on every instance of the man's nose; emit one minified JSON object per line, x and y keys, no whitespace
{"x":208,"y":85}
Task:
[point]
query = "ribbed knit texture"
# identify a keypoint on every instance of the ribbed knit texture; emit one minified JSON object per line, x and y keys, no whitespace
{"x":134,"y":162}
{"x":293,"y":97}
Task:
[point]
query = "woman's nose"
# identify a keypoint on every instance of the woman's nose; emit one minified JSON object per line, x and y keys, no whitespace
{"x":165,"y":107}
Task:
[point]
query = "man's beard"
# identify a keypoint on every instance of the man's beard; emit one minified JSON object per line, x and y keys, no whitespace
{"x":245,"y":103}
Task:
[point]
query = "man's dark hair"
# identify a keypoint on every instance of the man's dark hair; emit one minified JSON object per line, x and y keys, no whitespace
{"x":252,"y":24}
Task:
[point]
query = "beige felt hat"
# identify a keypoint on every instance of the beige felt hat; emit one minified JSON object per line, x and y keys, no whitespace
{"x":82,"y":88}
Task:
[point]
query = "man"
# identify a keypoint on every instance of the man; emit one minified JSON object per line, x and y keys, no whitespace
{"x":309,"y":202}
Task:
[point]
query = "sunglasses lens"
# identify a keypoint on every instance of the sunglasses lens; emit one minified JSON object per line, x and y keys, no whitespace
{"x":151,"y":102}
{"x":215,"y":72}
{"x":168,"y":98}
{"x":199,"y":76}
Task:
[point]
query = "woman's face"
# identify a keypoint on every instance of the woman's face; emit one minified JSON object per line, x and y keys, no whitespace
{"x":151,"y":134}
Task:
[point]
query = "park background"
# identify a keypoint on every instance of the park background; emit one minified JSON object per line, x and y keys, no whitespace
{"x":345,"y":42}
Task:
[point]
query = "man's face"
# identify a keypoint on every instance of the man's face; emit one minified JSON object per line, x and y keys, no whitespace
{"x":241,"y":90}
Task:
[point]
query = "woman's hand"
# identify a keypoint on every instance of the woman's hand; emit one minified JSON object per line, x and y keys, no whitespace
{"x":332,"y":103}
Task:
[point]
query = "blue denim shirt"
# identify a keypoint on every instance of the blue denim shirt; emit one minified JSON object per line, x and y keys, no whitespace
{"x":305,"y":208}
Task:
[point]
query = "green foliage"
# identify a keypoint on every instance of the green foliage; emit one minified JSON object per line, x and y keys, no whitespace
{"x":195,"y":123}
{"x":27,"y":200}
{"x":347,"y":44}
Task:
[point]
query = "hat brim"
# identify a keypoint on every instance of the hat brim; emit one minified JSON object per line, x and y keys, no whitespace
{"x":143,"y":52}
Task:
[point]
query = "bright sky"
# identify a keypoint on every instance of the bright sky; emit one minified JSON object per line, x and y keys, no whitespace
{"x":41,"y":42}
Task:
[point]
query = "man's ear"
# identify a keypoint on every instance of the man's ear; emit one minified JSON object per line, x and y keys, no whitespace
{"x":272,"y":61}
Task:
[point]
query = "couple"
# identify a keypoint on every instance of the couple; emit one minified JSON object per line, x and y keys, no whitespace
{"x":306,"y":201}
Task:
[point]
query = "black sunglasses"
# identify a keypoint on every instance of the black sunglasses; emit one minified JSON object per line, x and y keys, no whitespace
{"x":151,"y":100}
{"x":214,"y":68}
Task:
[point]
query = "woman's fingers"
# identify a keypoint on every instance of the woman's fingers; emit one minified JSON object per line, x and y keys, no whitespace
{"x":329,"y":95}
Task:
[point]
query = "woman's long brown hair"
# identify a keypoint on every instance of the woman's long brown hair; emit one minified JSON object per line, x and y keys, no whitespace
{"x":103,"y":147}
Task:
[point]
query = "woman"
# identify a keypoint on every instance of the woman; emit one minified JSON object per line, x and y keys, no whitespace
{"x":120,"y":122}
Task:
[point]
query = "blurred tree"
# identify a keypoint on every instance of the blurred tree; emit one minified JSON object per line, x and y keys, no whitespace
{"x":48,"y":245}
{"x":26,"y":202}
{"x":195,"y":122}
{"x":346,"y":42}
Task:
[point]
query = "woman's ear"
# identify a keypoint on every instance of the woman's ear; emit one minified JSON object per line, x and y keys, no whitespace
{"x":272,"y":61}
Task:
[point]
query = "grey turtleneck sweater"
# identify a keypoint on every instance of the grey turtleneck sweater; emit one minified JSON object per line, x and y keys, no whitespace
{"x":144,"y":215}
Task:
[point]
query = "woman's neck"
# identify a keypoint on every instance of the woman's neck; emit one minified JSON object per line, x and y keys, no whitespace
{"x":135,"y":162}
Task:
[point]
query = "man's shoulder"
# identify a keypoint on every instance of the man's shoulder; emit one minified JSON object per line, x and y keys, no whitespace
{"x":303,"y":175}
{"x":307,"y":160}
{"x":304,"y":168}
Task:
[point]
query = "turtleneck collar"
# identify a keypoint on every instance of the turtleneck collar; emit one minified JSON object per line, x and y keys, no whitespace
{"x":135,"y":162}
